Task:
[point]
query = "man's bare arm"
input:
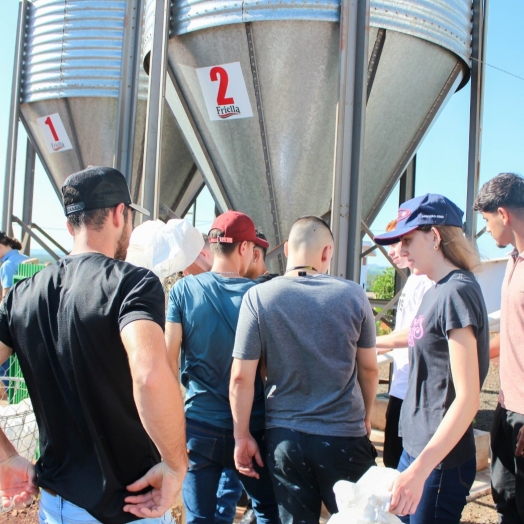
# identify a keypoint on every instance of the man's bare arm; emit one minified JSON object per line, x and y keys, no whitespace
{"x":367,"y":369}
{"x":160,"y":407}
{"x":173,"y":343}
{"x":17,"y":475}
{"x":241,"y":394}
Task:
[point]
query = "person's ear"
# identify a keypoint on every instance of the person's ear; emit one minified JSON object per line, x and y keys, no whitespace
{"x":70,"y":228}
{"x":286,"y":249}
{"x":242,"y":247}
{"x":118,"y":216}
{"x":437,"y":238}
{"x":256,"y":255}
{"x":503,"y":214}
{"x":327,"y":253}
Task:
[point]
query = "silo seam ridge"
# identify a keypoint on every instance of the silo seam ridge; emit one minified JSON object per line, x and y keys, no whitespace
{"x":263,"y":136}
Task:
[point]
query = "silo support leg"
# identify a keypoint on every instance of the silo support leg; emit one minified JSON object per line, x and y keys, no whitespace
{"x":480,"y":10}
{"x":349,"y":148}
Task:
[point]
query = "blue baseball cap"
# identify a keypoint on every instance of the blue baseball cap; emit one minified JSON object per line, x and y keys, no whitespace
{"x":427,"y":210}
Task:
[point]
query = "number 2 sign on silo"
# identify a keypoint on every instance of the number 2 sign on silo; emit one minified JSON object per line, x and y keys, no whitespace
{"x":54,"y":133}
{"x":224,"y":90}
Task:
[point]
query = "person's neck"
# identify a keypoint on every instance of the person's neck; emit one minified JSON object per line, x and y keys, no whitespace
{"x":441,"y":270}
{"x":518,"y":235}
{"x":92,"y":243}
{"x":296,"y":265}
{"x":7,"y":250}
{"x":228,"y":267}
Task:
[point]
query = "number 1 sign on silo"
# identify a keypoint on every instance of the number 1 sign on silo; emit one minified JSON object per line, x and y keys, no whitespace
{"x":225,"y":92}
{"x":54,"y":133}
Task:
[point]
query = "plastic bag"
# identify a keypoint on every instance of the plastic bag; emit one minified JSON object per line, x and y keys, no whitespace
{"x":367,"y":501}
{"x":164,"y":248}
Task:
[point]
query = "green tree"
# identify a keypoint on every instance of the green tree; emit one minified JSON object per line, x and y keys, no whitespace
{"x":384,"y":288}
{"x":384,"y":285}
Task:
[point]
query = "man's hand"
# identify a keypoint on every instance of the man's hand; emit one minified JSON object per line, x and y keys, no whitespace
{"x":17,"y":482}
{"x":519,"y":451}
{"x":166,"y":485}
{"x":245,"y":449}
{"x":407,"y":492}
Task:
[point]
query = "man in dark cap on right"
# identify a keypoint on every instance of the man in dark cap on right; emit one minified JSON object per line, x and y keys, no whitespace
{"x":88,"y":333}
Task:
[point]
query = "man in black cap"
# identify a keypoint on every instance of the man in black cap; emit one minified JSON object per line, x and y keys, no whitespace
{"x":88,"y":333}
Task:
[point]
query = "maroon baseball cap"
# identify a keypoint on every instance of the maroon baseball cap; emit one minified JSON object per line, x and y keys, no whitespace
{"x":236,"y":227}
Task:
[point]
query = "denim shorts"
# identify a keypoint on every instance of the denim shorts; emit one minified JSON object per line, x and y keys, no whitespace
{"x":55,"y":510}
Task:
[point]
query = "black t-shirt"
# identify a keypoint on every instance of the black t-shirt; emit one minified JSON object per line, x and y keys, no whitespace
{"x":64,"y":325}
{"x":266,"y":277}
{"x":455,"y":302}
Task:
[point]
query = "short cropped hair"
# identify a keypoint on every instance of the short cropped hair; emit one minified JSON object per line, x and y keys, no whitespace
{"x":312,"y":219}
{"x":221,"y":248}
{"x":93,"y":218}
{"x":505,"y":190}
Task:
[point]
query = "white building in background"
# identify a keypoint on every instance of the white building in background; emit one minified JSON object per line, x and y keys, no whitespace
{"x":364,"y":265}
{"x":490,"y":278}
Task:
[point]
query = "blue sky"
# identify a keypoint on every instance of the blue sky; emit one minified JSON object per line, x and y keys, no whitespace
{"x":442,"y":158}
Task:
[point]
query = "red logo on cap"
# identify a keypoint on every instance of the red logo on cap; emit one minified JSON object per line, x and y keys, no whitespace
{"x":403,"y":214}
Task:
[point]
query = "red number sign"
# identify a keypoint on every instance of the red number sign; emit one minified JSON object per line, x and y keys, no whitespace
{"x":49,"y":123}
{"x":222,"y":87}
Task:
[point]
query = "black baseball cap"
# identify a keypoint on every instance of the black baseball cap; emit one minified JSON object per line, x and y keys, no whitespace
{"x":95,"y":188}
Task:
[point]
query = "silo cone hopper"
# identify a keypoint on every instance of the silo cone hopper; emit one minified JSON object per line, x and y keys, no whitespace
{"x":259,"y":79}
{"x":70,"y":94}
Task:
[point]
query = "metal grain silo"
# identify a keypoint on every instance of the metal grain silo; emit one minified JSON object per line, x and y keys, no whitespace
{"x":259,"y":80}
{"x":72,"y":84}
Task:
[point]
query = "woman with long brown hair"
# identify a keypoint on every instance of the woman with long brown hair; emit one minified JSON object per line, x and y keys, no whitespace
{"x":448,"y":344}
{"x":10,"y":257}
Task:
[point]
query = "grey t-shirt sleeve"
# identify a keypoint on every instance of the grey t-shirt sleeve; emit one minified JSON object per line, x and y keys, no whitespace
{"x":458,"y":308}
{"x":368,"y":332}
{"x":248,"y":345}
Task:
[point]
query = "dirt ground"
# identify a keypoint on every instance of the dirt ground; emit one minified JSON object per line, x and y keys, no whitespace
{"x":25,"y":516}
{"x":480,"y":511}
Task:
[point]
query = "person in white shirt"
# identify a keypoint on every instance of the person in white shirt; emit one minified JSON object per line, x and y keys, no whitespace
{"x":408,"y":304}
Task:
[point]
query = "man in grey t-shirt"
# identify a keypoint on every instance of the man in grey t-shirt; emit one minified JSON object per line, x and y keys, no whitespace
{"x":315,"y":334}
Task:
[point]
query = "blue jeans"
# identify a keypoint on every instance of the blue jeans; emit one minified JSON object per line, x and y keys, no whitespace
{"x":444,"y":495}
{"x":228,"y":493}
{"x":210,"y":452}
{"x":55,"y":510}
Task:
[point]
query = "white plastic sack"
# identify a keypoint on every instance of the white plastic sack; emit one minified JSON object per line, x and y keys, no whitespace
{"x":164,"y":248}
{"x":19,"y":424}
{"x":367,"y":501}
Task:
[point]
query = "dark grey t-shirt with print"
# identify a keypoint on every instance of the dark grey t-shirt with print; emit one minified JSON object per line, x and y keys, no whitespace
{"x":308,"y":329}
{"x":455,"y":302}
